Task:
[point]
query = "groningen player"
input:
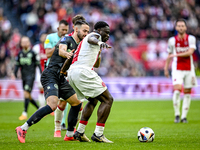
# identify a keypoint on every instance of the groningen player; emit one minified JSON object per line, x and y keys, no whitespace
{"x":27,"y":61}
{"x":88,"y":84}
{"x":56,"y":86}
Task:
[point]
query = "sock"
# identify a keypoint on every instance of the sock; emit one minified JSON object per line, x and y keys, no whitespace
{"x":41,"y":98}
{"x":65,"y":114}
{"x":25,"y":126}
{"x":70,"y":133}
{"x":81,"y":126}
{"x":176,"y":102}
{"x":99,"y":129}
{"x":79,"y":116}
{"x":39,"y":114}
{"x":34,"y":103}
{"x":186,"y":105}
{"x":26,"y":102}
{"x":24,"y":113}
{"x":58,"y":114}
{"x":73,"y":116}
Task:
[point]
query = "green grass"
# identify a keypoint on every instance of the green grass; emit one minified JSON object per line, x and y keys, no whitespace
{"x":125,"y":120}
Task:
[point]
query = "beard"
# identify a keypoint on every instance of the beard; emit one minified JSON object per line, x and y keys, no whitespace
{"x":80,"y":36}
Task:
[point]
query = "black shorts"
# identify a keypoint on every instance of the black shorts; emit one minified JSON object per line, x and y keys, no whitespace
{"x":28,"y":84}
{"x":55,"y":86}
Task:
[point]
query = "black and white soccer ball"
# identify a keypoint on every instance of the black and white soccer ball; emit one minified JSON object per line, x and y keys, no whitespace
{"x":146,"y":134}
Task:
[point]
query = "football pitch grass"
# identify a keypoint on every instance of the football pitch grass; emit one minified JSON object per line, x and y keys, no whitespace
{"x":125,"y":119}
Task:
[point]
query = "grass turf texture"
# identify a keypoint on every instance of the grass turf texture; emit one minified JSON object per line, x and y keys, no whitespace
{"x":125,"y":120}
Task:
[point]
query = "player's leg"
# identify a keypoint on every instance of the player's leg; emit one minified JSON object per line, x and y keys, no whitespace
{"x":176,"y":102}
{"x":63,"y":123}
{"x":49,"y":82}
{"x":58,"y":117}
{"x":177,"y":80}
{"x":76,"y":106}
{"x":68,"y":93}
{"x":30,"y":83}
{"x":186,"y":105}
{"x":41,"y":98}
{"x":37,"y":116}
{"x":103,"y":112}
{"x":189,"y":82}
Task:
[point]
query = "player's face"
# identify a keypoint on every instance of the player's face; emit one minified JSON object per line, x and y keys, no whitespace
{"x":104,"y":32}
{"x":62,"y":30}
{"x":25,"y":43}
{"x":83,"y":31}
{"x":181,"y":27}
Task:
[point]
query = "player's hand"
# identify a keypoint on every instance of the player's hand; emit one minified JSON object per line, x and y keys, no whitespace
{"x":103,"y":45}
{"x":69,"y":54}
{"x":62,"y":76}
{"x":166,"y":72}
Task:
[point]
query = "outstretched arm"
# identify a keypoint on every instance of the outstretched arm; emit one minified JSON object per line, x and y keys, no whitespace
{"x":93,"y":39}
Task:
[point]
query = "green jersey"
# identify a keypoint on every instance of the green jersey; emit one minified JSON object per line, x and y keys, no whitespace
{"x":51,"y":40}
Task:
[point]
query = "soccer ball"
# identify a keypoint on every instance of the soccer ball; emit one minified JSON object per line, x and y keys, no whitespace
{"x":146,"y":134}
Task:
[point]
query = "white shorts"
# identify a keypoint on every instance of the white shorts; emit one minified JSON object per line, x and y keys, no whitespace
{"x":188,"y":78}
{"x":86,"y":83}
{"x":37,"y":78}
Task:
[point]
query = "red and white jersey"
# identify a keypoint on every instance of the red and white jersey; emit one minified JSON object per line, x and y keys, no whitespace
{"x":86,"y":54}
{"x":176,"y":46}
{"x":41,"y":55}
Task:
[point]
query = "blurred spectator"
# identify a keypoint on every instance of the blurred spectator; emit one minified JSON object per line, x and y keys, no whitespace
{"x":131,"y":21}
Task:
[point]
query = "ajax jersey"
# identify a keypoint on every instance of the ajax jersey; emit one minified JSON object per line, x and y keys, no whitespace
{"x":176,"y":46}
{"x":86,"y":54}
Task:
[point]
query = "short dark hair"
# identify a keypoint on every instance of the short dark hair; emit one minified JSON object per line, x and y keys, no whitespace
{"x":77,"y":17}
{"x":63,"y":22}
{"x":100,"y":24}
{"x":80,"y":22}
{"x":181,"y":20}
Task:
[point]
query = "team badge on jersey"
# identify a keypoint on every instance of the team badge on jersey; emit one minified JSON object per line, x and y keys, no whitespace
{"x":63,"y":39}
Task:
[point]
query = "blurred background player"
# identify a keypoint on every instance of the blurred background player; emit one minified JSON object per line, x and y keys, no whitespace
{"x":27,"y":61}
{"x":63,"y":126}
{"x":88,"y":84}
{"x":53,"y":38}
{"x":41,"y":55}
{"x":180,"y":48}
{"x":70,"y":43}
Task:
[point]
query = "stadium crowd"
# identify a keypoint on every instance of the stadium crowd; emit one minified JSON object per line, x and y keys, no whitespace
{"x":130,"y":22}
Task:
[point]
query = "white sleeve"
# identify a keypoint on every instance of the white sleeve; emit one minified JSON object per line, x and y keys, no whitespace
{"x":170,"y":46}
{"x":36,"y":49}
{"x":192,"y":42}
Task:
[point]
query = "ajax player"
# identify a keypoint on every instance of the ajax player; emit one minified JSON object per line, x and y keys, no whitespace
{"x":180,"y":48}
{"x":88,"y":84}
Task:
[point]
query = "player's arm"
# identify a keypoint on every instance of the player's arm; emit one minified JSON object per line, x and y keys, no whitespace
{"x":98,"y":62}
{"x":184,"y":54}
{"x":48,"y":45}
{"x":17,"y":66}
{"x":62,"y":51}
{"x":49,"y":52}
{"x":166,"y":71}
{"x":93,"y":39}
{"x":66,"y":65}
{"x":168,"y":60}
